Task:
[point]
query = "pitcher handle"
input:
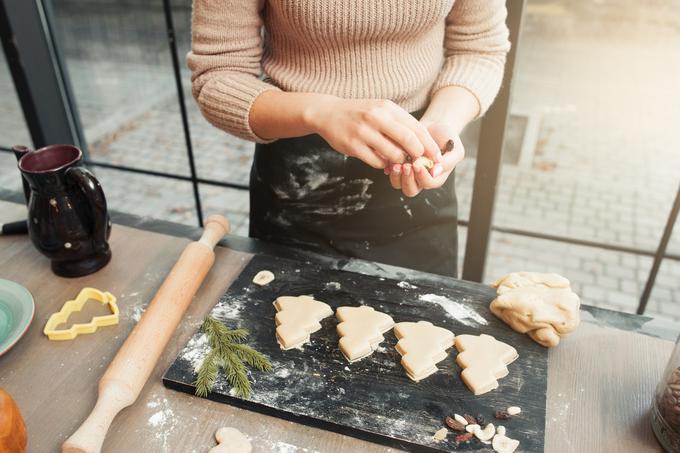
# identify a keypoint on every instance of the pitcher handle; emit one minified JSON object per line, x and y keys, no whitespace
{"x":90,"y":187}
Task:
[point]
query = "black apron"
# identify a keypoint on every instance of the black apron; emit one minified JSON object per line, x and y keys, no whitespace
{"x":305,"y":194}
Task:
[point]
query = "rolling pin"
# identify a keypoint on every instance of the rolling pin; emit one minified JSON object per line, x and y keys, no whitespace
{"x":120,"y":385}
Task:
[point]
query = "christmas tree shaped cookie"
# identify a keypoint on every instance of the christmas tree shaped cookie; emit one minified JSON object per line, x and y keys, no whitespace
{"x":421,"y":346}
{"x":484,"y":360}
{"x":297,"y":318}
{"x":361,"y":330}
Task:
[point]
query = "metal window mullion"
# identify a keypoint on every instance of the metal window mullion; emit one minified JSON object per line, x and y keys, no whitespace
{"x":660,"y":252}
{"x":38,"y":74}
{"x":489,"y":155}
{"x":172,"y":42}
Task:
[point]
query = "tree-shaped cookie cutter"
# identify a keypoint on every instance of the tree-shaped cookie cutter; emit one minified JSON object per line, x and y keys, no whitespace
{"x":85,"y":294}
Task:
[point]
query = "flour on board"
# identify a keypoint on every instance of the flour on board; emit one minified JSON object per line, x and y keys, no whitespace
{"x":457,"y":311}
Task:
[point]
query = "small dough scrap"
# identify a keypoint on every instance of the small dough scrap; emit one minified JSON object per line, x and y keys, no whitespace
{"x":421,"y":346}
{"x":263,"y":278}
{"x":440,"y":434}
{"x":540,"y":305}
{"x":484,"y":360}
{"x":423,"y":161}
{"x":297,"y":318}
{"x":231,"y":440}
{"x":361,"y":330}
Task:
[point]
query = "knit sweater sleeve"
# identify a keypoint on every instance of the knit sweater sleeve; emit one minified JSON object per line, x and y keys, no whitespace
{"x":475,"y":46}
{"x":225,"y":62}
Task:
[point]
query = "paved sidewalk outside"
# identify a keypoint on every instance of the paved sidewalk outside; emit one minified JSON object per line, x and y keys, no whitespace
{"x":601,"y":79}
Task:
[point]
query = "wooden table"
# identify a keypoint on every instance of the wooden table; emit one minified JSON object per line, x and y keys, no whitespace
{"x":600,"y":383}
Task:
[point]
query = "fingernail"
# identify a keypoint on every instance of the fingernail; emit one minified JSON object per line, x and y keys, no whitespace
{"x":386,"y":170}
{"x":396,"y":169}
{"x":407,"y":170}
{"x":437,"y":170}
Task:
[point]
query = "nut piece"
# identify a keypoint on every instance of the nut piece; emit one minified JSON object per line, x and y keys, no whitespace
{"x":454,"y":424}
{"x":500,"y":430}
{"x":263,"y":278}
{"x":470,"y":419}
{"x":487,"y":433}
{"x":513,"y":410}
{"x":502,"y":444}
{"x":471,"y":428}
{"x":460,"y":419}
{"x":441,"y":434}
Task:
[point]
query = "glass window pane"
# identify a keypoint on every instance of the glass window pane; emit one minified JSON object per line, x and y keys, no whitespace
{"x":152,"y":196}
{"x":598,"y":157}
{"x":13,"y":129}
{"x":234,"y":204}
{"x":120,"y":68}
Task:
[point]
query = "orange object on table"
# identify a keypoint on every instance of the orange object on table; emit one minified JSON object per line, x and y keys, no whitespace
{"x":12,"y":428}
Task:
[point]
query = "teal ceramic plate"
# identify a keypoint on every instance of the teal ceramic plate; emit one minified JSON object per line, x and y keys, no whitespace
{"x":16,"y":313}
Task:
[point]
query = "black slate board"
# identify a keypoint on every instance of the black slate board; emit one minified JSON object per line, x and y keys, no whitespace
{"x":371,"y":399}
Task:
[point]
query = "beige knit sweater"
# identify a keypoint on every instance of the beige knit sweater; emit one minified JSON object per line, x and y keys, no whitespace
{"x":403,"y":50}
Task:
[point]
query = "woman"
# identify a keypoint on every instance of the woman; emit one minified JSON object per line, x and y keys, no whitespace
{"x":352,"y":87}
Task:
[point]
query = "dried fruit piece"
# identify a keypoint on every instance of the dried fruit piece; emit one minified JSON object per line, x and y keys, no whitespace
{"x":454,"y":424}
{"x":470,"y":419}
{"x":461,"y":438}
{"x":448,"y":146}
{"x":460,"y":419}
{"x":503,"y":444}
{"x":502,"y":415}
{"x":441,"y":434}
{"x":487,"y":433}
{"x":513,"y":410}
{"x":480,"y":419}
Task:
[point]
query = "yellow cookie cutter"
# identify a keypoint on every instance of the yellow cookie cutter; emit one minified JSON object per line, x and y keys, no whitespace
{"x":85,"y":294}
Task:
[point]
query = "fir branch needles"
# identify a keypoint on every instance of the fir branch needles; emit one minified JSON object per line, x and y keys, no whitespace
{"x":228,"y":352}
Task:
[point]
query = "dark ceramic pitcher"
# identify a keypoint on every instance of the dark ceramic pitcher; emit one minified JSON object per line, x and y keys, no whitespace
{"x":67,"y":217}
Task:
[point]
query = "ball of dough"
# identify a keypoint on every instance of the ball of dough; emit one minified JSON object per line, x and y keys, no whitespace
{"x":540,"y":305}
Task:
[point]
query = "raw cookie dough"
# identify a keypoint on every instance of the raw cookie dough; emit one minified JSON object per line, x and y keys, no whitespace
{"x":361,"y":330}
{"x":423,"y":161}
{"x":421,"y":346}
{"x":231,"y":440}
{"x":263,"y":278}
{"x":297,"y":318}
{"x":540,"y":305}
{"x":484,"y":360}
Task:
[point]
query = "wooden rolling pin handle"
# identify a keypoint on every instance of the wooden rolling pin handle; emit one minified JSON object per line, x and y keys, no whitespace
{"x":216,"y":227}
{"x":90,"y":436}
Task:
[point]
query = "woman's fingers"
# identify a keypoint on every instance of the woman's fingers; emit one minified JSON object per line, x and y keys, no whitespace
{"x":387,"y":149}
{"x":404,"y":130}
{"x":440,"y":171}
{"x":430,"y":147}
{"x":368,"y":156}
{"x":395,"y":176}
{"x":408,"y":182}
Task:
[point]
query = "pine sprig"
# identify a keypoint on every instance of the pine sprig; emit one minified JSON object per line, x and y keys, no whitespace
{"x":228,"y":352}
{"x":251,"y":357}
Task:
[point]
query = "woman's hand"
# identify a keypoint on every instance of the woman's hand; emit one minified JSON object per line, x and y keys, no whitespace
{"x":412,"y":179}
{"x":376,"y":131}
